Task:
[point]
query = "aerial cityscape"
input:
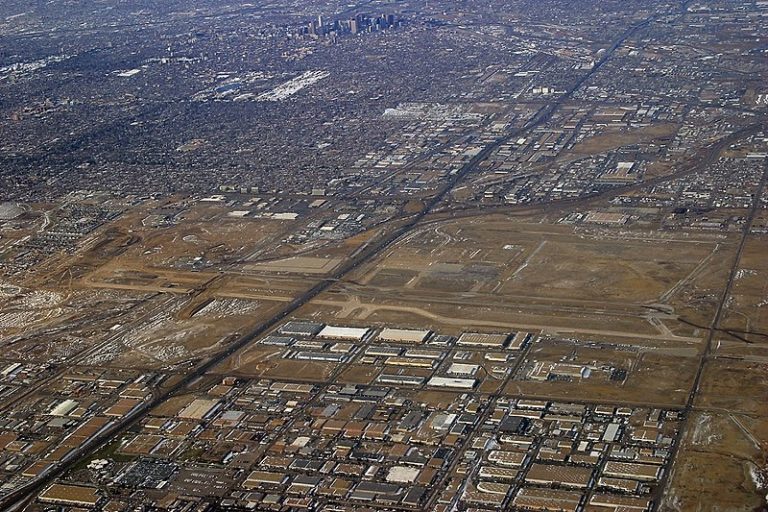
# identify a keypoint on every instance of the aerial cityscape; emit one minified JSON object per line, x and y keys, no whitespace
{"x":384,"y":255}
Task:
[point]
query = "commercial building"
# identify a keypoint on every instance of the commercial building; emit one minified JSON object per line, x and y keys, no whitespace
{"x":63,"y":408}
{"x":404,"y":335}
{"x":565,"y":476}
{"x":71,"y":496}
{"x":451,"y":382}
{"x":479,"y":339}
{"x":344,"y":333}
{"x":198,"y":409}
{"x":300,"y":328}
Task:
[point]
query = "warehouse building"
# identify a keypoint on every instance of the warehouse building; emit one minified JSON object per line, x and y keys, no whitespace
{"x":63,"y":408}
{"x":479,"y":339}
{"x":463,"y":370}
{"x":632,"y":470}
{"x":383,"y":351}
{"x":565,"y":476}
{"x":71,"y":496}
{"x":507,"y":458}
{"x":344,"y":333}
{"x":519,"y":340}
{"x":414,"y":362}
{"x":547,"y":499}
{"x":300,"y":328}
{"x":451,"y":382}
{"x":199,"y":409}
{"x":495,"y":473}
{"x":404,"y":380}
{"x":404,"y":335}
{"x":260,"y":478}
{"x":620,"y":503}
{"x":328,"y":357}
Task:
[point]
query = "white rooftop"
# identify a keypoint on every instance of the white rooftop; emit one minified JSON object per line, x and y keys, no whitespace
{"x":402,"y":474}
{"x":346,"y":333}
{"x":63,"y":408}
{"x":407,"y":335}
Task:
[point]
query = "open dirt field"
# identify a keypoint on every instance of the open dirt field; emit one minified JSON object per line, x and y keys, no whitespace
{"x":501,"y":271}
{"x":718,"y":468}
{"x":738,"y":386}
{"x":614,"y":138}
{"x":725,"y":443}
{"x":266,"y":361}
{"x":745,"y":324}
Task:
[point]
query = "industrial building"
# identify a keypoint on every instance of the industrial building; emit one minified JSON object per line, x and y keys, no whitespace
{"x":479,"y":339}
{"x":404,"y":335}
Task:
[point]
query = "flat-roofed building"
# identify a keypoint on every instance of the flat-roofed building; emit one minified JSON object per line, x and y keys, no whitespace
{"x":531,"y":414}
{"x":71,"y":495}
{"x":63,"y":408}
{"x":619,"y":484}
{"x":519,"y":340}
{"x":414,"y":496}
{"x":497,"y":357}
{"x":424,"y":353}
{"x":301,"y":328}
{"x":515,"y":440}
{"x":198,"y":409}
{"x":310,"y":344}
{"x":282,"y":341}
{"x":36,"y":469}
{"x":259,"y":478}
{"x":344,"y":333}
{"x":410,"y":361}
{"x":616,"y":219}
{"x":497,"y":473}
{"x":452,"y":382}
{"x":463,"y":369}
{"x":620,"y":503}
{"x":611,"y":432}
{"x":632,"y":470}
{"x":538,"y":405}
{"x":506,"y":458}
{"x":406,"y":380}
{"x":122,"y":407}
{"x":402,"y":474}
{"x":547,"y":499}
{"x":480,"y":339}
{"x":565,"y":476}
{"x":473,"y":496}
{"x":487,"y":493}
{"x":291,"y":387}
{"x":342,"y":348}
{"x":383,"y":351}
{"x":404,"y":335}
{"x":327,"y":357}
